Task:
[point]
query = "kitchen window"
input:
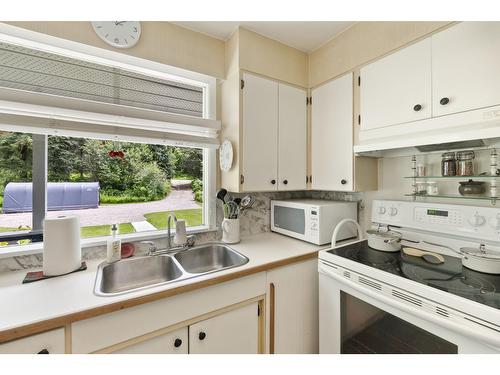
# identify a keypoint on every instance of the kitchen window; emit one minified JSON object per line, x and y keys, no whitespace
{"x":106,"y":136}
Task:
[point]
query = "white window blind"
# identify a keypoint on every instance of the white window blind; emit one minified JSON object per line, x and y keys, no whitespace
{"x":48,"y":93}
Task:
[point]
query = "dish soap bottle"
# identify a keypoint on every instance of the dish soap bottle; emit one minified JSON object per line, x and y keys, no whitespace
{"x":113,"y":251}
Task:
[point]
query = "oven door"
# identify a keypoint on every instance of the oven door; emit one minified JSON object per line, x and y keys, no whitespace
{"x":354,"y":322}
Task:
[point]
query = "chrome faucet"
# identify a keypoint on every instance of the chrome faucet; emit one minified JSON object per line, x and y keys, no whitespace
{"x":153,"y":250}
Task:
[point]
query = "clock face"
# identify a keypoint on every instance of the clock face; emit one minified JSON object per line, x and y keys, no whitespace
{"x":120,"y":34}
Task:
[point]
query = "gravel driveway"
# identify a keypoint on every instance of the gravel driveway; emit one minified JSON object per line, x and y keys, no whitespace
{"x":113,"y":213}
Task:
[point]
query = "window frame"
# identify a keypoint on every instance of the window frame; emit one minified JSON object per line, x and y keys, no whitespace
{"x":31,"y":39}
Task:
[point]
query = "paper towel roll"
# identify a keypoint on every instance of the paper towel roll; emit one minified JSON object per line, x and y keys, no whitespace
{"x":61,"y":245}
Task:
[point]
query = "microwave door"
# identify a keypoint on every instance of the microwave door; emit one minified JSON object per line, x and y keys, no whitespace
{"x":290,"y":221}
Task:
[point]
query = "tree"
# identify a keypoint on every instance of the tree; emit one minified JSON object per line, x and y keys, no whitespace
{"x":16,"y":158}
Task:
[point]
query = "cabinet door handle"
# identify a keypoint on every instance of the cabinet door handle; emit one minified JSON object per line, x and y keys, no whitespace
{"x":43,"y":351}
{"x":444,"y":101}
{"x":272,"y":318}
{"x":177,"y":343}
{"x":202,"y":335}
{"x":273,"y":182}
{"x":285,"y":182}
{"x":417,"y":107}
{"x":343,"y":182}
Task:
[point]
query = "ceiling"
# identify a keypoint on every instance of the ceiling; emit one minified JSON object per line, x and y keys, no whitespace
{"x":305,"y":36}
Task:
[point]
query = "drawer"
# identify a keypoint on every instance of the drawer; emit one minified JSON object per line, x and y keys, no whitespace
{"x":97,"y":333}
{"x":51,"y":341}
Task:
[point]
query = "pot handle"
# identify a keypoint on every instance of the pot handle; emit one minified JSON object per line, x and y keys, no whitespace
{"x":341,"y":224}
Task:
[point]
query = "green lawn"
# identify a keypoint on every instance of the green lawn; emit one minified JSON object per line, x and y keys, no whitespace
{"x":193,"y":217}
{"x":105,"y":230}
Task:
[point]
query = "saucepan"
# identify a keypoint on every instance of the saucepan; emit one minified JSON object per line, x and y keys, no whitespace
{"x":389,"y":240}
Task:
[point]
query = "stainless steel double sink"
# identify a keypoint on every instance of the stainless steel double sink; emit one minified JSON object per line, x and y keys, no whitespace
{"x":134,"y":274}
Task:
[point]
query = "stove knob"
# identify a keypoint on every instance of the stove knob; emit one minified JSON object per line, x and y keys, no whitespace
{"x":393,"y":211}
{"x":495,"y":222}
{"x":476,"y":220}
{"x":381,"y":210}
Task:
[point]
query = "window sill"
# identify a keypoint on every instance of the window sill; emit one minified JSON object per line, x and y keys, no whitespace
{"x":37,"y":248}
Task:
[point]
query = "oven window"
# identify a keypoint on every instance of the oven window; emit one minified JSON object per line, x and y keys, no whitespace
{"x":292,"y":219}
{"x":367,"y":329}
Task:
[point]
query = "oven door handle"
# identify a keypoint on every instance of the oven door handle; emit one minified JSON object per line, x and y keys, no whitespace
{"x":478,"y":333}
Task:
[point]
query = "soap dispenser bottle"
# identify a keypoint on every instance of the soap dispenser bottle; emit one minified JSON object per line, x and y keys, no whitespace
{"x":113,"y":251}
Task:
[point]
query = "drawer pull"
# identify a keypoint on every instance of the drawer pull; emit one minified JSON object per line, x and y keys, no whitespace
{"x":177,"y":343}
{"x":202,"y":336}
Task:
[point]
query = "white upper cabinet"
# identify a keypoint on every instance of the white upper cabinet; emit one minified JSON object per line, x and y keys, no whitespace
{"x":274,"y":135}
{"x":332,"y":135}
{"x":397,"y":88}
{"x":260,"y":134}
{"x":292,"y":138}
{"x":466,"y":67}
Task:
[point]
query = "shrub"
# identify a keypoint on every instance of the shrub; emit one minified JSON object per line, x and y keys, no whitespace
{"x":198,"y":196}
{"x":150,"y":182}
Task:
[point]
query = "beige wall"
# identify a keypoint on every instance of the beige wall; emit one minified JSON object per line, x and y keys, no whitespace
{"x":162,"y":42}
{"x":361,"y":43}
{"x":270,"y":58}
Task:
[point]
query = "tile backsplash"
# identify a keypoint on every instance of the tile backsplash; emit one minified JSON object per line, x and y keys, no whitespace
{"x":252,"y":221}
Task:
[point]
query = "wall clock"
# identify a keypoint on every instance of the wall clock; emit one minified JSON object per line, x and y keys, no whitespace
{"x":119,"y":34}
{"x":226,"y":155}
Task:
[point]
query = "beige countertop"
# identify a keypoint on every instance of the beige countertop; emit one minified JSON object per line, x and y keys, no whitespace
{"x":35,"y":307}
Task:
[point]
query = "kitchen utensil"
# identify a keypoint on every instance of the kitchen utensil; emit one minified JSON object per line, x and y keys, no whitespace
{"x":233,"y":210}
{"x":471,"y":187}
{"x":246,"y":202}
{"x":237,"y":201}
{"x":425,"y":255}
{"x":480,"y":259}
{"x":221,"y":194}
{"x":389,"y":241}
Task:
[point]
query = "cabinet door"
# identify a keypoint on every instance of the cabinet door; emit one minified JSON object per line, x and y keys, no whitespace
{"x":260,"y":134}
{"x":234,"y":332}
{"x":332,"y":135}
{"x":397,"y":88}
{"x":466,"y":67}
{"x":51,"y":342}
{"x":293,"y":308}
{"x":292,"y":138}
{"x":175,"y":342}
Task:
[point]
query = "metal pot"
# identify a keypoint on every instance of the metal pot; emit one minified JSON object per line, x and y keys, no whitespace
{"x":389,"y":241}
{"x":479,"y":259}
{"x":471,"y":187}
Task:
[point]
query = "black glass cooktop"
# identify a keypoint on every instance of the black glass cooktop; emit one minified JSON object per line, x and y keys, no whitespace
{"x":449,"y":276}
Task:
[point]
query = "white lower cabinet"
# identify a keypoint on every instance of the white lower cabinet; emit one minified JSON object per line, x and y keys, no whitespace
{"x":234,"y":332}
{"x":292,"y":316}
{"x":51,"y":342}
{"x":175,"y":342}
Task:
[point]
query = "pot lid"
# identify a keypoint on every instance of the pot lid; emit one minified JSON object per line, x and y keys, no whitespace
{"x":472,"y":182}
{"x":387,"y":234}
{"x":480,"y":252}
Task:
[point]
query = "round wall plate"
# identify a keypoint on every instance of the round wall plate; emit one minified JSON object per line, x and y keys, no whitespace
{"x":226,"y":156}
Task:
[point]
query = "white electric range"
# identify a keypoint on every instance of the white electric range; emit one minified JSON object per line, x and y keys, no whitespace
{"x":379,"y":302}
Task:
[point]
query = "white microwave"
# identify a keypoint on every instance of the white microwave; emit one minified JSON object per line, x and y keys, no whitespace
{"x":312,"y":220}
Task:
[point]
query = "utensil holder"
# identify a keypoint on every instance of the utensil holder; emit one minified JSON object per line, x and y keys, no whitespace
{"x":231,"y":231}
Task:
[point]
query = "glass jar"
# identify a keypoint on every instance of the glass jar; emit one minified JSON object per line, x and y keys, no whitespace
{"x":448,"y":164}
{"x":432,"y":188}
{"x":465,"y":163}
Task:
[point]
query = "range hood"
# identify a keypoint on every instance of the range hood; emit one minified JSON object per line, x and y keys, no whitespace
{"x":466,"y":130}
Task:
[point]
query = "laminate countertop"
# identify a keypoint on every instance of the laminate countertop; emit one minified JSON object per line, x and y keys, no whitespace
{"x":26,"y":309}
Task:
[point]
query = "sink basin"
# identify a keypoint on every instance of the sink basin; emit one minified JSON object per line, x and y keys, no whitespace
{"x":144,"y":272}
{"x":209,"y":258}
{"x":135,"y":273}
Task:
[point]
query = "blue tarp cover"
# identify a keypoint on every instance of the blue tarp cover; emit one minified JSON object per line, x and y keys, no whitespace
{"x":60,"y":196}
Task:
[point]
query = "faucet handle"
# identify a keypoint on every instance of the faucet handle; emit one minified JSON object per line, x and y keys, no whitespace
{"x":190,"y":241}
{"x":151,"y":247}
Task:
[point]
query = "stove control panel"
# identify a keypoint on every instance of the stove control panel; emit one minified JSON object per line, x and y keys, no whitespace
{"x":481,"y":223}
